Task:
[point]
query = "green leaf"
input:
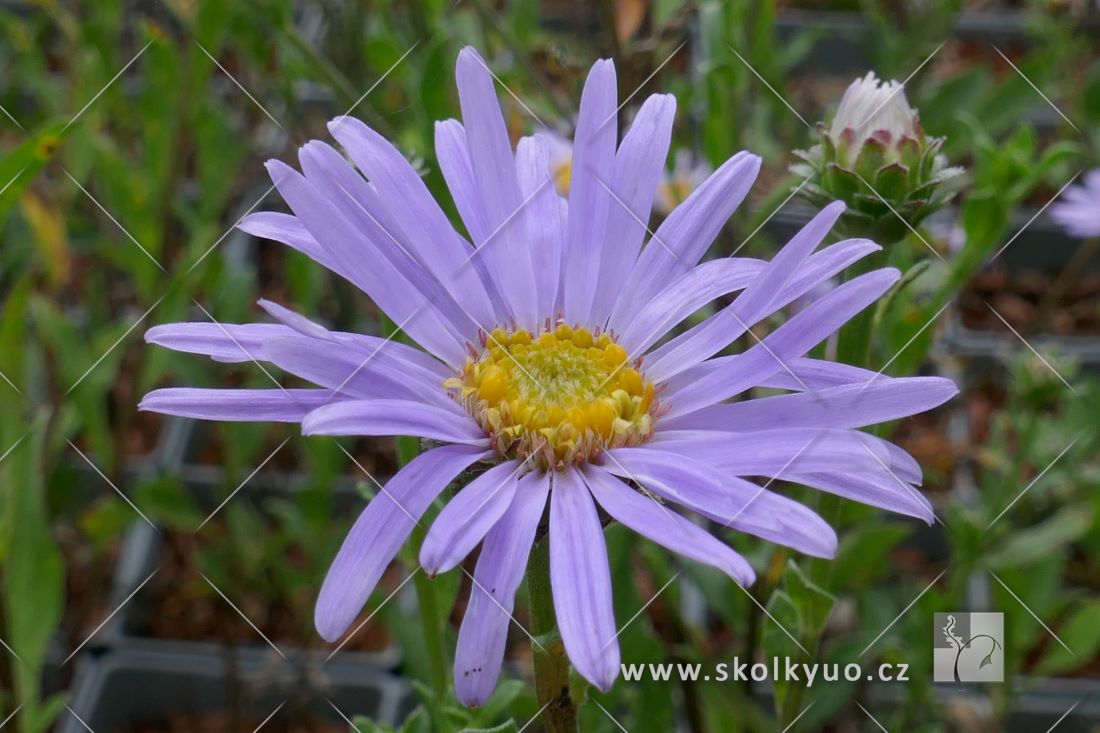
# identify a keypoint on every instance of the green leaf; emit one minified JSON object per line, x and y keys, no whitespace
{"x":812,"y":603}
{"x":417,"y":722}
{"x":872,"y":156}
{"x":42,"y":717}
{"x":435,"y":87}
{"x":13,"y":327}
{"x":869,"y":539}
{"x":508,"y":727}
{"x":105,"y":520}
{"x":19,"y":167}
{"x":167,"y":500}
{"x":1081,"y":633}
{"x":908,"y":277}
{"x":984,"y":220}
{"x":1027,"y":546}
{"x":1090,"y":96}
{"x":46,"y":221}
{"x":33,"y":585}
{"x":502,"y":700}
{"x":782,"y":617}
{"x":363,"y":724}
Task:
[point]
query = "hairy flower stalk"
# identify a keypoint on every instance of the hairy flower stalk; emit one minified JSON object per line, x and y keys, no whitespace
{"x":875,"y":157}
{"x":555,"y":359}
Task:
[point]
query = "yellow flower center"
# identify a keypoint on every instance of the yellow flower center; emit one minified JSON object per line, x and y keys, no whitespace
{"x":560,"y":396}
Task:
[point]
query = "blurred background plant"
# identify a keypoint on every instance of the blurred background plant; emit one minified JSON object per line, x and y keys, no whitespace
{"x":132,"y":139}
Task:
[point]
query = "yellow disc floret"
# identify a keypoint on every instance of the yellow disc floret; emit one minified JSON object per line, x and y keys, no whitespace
{"x":561,"y":395}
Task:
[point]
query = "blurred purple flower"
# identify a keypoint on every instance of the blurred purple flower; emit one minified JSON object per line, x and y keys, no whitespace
{"x":559,"y":158}
{"x":687,"y":174}
{"x":544,"y":363}
{"x":947,"y":233}
{"x":1078,"y":212}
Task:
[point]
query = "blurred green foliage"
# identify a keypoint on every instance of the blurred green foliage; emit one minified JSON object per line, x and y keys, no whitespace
{"x":132,"y":141}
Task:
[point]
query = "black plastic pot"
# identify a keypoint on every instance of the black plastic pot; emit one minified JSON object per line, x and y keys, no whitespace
{"x":844,"y":34}
{"x":130,"y":686}
{"x":843,"y":43}
{"x":61,"y":660}
{"x":1040,"y":704}
{"x":841,"y":46}
{"x":55,"y":677}
{"x":1037,"y":703}
{"x":931,"y":541}
{"x":125,"y":580}
{"x":997,"y":346}
{"x":141,"y":558}
{"x":209,"y":482}
{"x":1040,"y":246}
{"x":173,"y":436}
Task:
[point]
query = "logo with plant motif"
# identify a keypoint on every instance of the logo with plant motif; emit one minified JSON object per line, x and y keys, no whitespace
{"x":969,"y":647}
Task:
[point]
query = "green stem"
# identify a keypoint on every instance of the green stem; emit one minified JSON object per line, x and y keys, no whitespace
{"x":551,"y":664}
{"x":792,"y":706}
{"x":431,"y":618}
{"x":432,"y":622}
{"x":853,"y":347}
{"x":854,"y":340}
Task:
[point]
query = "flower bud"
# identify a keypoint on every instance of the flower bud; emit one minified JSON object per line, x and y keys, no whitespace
{"x":875,"y":157}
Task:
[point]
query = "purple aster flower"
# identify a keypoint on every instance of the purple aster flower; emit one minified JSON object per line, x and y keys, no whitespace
{"x":1079,"y":210}
{"x":544,"y":362}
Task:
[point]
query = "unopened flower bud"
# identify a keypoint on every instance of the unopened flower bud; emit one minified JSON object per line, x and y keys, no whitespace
{"x":875,"y":157}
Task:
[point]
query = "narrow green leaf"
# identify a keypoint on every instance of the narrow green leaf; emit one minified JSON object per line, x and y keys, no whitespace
{"x":19,"y":167}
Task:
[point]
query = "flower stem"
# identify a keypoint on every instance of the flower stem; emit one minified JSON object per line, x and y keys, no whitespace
{"x":551,"y":664}
{"x":852,"y":347}
{"x":431,"y":621}
{"x":854,"y":340}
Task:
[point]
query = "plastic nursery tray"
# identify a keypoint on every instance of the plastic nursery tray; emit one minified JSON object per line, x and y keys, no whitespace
{"x":129,"y":687}
{"x":842,"y":45}
{"x":61,"y":661}
{"x":1040,"y":246}
{"x":138,"y":561}
{"x":1039,"y":702}
{"x":171,"y":439}
{"x":1003,"y":346}
{"x":208,"y":482}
